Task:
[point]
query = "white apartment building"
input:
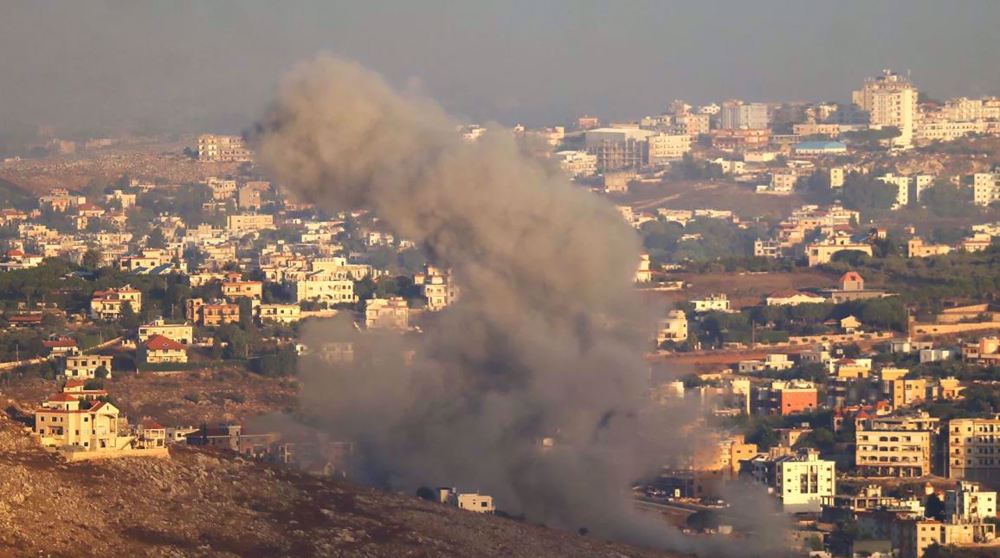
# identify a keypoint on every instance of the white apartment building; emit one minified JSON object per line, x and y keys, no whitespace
{"x":664,"y":148}
{"x":985,"y":188}
{"x":803,"y":481}
{"x":672,"y":328}
{"x":331,"y":291}
{"x":968,"y":502}
{"x":712,"y":303}
{"x":577,"y":163}
{"x":890,"y":100}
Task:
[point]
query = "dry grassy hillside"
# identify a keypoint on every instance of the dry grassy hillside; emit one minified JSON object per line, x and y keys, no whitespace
{"x":203,"y":504}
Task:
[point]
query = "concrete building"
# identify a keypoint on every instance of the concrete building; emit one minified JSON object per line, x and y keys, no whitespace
{"x":233,"y":290}
{"x":181,"y":333}
{"x":804,"y":481}
{"x":80,"y":366}
{"x":985,"y":188}
{"x":712,"y":303}
{"x":211,"y":314}
{"x":107,"y":305}
{"x":737,"y":115}
{"x":890,"y":100}
{"x":822,"y":252}
{"x":439,"y":289}
{"x":664,"y":148}
{"x":912,"y":537}
{"x":68,"y":420}
{"x":974,"y":449}
{"x":280,"y":313}
{"x":766,"y":249}
{"x":917,"y":248}
{"x":618,"y":148}
{"x":240,"y":224}
{"x":901,"y":446}
{"x":213,"y":149}
{"x":331,"y":291}
{"x":387,"y":313}
{"x":159,"y":350}
{"x":470,"y":501}
{"x":672,"y":328}
{"x":968,"y":502}
{"x":577,"y":163}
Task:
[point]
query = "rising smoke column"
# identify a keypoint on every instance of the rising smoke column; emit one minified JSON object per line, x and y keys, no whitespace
{"x":546,"y":340}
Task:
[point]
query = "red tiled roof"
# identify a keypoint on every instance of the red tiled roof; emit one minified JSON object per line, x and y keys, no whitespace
{"x":161,"y":343}
{"x":60,"y":397}
{"x":52,"y":343}
{"x":152,"y":426}
{"x":851,"y":276}
{"x":74,"y":383}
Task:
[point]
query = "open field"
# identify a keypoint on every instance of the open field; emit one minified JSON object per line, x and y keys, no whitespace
{"x":742,"y":288}
{"x":731,"y":196}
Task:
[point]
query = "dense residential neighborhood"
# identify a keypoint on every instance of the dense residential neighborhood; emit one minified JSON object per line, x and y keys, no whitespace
{"x":822,"y":277}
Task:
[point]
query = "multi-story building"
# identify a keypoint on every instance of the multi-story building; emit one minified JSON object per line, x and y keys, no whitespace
{"x":281,"y":313}
{"x":804,"y":481}
{"x":438,"y":288}
{"x":890,"y":100}
{"x":793,"y":397}
{"x":985,"y":188}
{"x":969,"y":502}
{"x":912,"y":537}
{"x":618,"y":148}
{"x":211,"y":314}
{"x":672,"y":328}
{"x":107,"y":305}
{"x":387,"y":313}
{"x":903,"y":392}
{"x":160,"y":350}
{"x":917,"y":248}
{"x":896,"y":446}
{"x":822,"y":252}
{"x":577,"y":163}
{"x":213,"y":148}
{"x":67,"y":420}
{"x":766,"y":248}
{"x":664,"y":148}
{"x":332,"y":291}
{"x":81,"y":366}
{"x":181,"y":333}
{"x":246,"y":223}
{"x":974,"y":449}
{"x":712,"y":303}
{"x":232,"y":290}
{"x":736,"y":115}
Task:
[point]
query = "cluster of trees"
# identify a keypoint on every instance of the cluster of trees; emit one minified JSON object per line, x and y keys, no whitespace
{"x":776,"y":323}
{"x":927,"y":281}
{"x":688,"y":168}
{"x":719,"y":239}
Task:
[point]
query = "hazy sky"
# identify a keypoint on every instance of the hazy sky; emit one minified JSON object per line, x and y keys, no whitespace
{"x":212,"y":64}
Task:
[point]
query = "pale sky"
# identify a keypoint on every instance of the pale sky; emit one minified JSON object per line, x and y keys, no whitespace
{"x":211,"y":65}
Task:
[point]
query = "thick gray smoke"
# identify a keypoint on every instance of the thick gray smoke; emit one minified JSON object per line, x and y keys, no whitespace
{"x":546,"y":340}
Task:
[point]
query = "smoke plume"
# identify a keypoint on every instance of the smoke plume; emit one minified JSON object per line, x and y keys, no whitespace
{"x":546,"y":340}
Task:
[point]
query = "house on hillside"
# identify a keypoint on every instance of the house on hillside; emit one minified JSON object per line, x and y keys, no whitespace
{"x":159,"y":350}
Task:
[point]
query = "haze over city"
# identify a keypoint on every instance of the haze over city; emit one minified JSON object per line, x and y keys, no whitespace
{"x":172,"y":66}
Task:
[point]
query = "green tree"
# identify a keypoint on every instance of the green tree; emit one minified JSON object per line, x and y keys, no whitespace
{"x":91,"y":259}
{"x":867,"y":194}
{"x":101,"y":373}
{"x":129,"y":319}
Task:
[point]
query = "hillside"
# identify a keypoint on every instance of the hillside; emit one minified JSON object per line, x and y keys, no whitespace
{"x":200,"y":503}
